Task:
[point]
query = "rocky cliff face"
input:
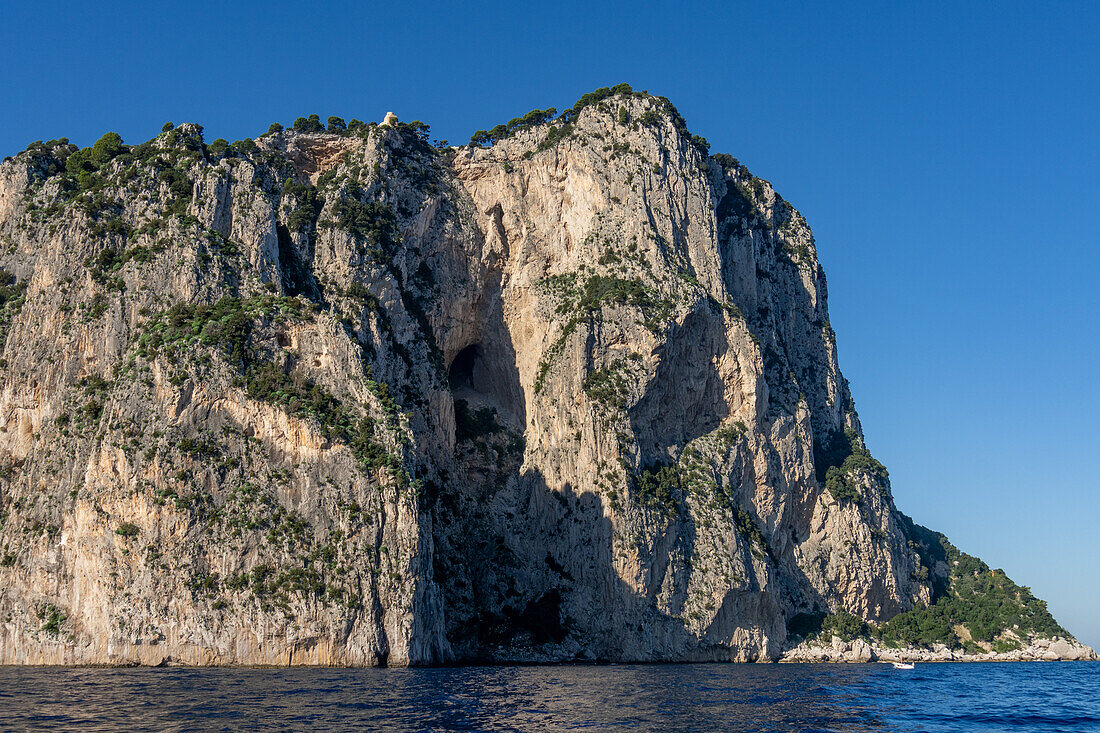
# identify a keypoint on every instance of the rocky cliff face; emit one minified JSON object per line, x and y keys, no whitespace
{"x":348,"y":398}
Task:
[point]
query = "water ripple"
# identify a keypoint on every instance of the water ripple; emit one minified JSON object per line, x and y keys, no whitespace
{"x":933,"y":698}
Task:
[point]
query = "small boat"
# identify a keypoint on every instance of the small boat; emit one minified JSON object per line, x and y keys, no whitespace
{"x":904,"y":665}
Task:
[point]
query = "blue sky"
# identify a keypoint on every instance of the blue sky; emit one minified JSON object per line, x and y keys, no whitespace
{"x":946,"y":155}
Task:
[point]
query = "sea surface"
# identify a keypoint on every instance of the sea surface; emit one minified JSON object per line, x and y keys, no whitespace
{"x":686,"y":697}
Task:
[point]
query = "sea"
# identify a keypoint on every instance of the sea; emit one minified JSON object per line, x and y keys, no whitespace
{"x":1023,"y":696}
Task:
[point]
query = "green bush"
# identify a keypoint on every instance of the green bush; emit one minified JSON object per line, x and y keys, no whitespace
{"x":303,"y":398}
{"x":608,"y":386}
{"x":105,"y":265}
{"x":842,"y":459}
{"x":534,"y":118}
{"x":472,"y":424}
{"x":845,"y":625}
{"x":359,"y":291}
{"x":83,"y":166}
{"x":584,"y":301}
{"x":658,"y":487}
{"x":840,"y":485}
{"x":200,"y":448}
{"x":337,"y":125}
{"x":226,"y":325}
{"x":555,"y":135}
{"x":52,"y":619}
{"x":824,"y":626}
{"x":274,"y":127}
{"x":309,"y":124}
{"x":732,"y":166}
{"x":750,"y":530}
{"x":983,"y":600}
{"x":13,"y":294}
{"x":180,"y":189}
{"x":92,"y":411}
{"x":309,"y":205}
{"x":127,"y":530}
{"x":592,"y":98}
{"x":372,"y":221}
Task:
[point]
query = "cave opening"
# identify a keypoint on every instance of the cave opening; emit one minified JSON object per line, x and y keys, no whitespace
{"x":484,"y":377}
{"x":461,"y":374}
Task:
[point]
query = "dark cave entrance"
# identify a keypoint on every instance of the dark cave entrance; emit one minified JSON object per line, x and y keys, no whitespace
{"x":486,"y":377}
{"x":461,"y":374}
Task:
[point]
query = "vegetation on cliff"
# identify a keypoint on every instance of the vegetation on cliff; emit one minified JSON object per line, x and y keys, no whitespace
{"x":360,"y":399}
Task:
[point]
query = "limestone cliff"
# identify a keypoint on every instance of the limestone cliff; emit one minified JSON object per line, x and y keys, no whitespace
{"x":345,"y":397}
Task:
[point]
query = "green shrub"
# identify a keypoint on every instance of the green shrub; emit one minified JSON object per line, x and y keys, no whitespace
{"x":92,"y":411}
{"x":608,"y":386}
{"x":83,"y":166}
{"x":309,"y":205}
{"x":584,"y":301}
{"x":275,"y":127}
{"x":359,"y":291}
{"x":303,"y":398}
{"x":750,"y":530}
{"x":840,"y":485}
{"x":841,"y":459}
{"x":309,"y":124}
{"x":372,"y":221}
{"x":107,"y":148}
{"x":98,"y":305}
{"x":824,"y":626}
{"x":219,"y":147}
{"x":534,"y":118}
{"x":845,"y":625}
{"x":127,"y":530}
{"x":337,"y":125}
{"x":167,"y":127}
{"x":983,"y":600}
{"x":226,"y":325}
{"x":473,"y":424}
{"x":13,"y":294}
{"x":592,"y":98}
{"x":201,"y":447}
{"x":180,"y":189}
{"x":658,"y":487}
{"x":555,"y":135}
{"x":52,"y":619}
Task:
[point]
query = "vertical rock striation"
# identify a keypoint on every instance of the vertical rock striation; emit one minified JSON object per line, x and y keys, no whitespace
{"x":347,"y":398}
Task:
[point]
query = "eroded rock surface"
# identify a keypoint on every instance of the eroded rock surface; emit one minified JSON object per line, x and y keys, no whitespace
{"x":349,"y":398}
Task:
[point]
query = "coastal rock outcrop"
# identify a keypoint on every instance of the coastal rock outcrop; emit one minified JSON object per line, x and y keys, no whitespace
{"x":345,"y":397}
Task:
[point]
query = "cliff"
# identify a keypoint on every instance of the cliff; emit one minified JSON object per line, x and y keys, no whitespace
{"x":342,"y":396}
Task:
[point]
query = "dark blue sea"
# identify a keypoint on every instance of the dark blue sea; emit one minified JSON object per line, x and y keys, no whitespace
{"x":713,"y":697}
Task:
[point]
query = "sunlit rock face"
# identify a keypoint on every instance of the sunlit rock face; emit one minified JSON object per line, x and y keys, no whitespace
{"x":349,"y":398}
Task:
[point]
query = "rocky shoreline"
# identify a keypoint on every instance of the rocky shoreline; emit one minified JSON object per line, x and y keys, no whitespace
{"x":1057,"y":649}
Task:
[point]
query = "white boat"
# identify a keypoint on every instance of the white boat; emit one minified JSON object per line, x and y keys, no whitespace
{"x":904,"y":665}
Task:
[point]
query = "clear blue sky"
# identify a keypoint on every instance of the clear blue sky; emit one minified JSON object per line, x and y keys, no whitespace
{"x":944,"y":153}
